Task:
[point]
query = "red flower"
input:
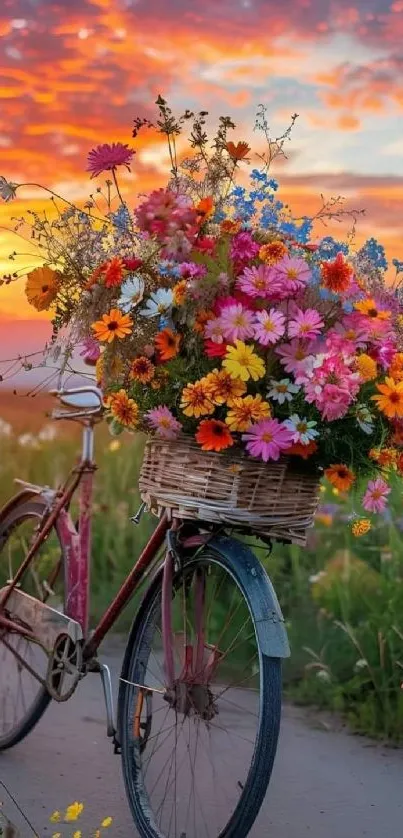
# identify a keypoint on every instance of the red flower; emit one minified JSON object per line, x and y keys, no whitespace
{"x":214,"y":350}
{"x":132,"y":264}
{"x":113,"y":274}
{"x":206,"y":244}
{"x":238,"y":151}
{"x":336,"y":275}
{"x":213,"y":435}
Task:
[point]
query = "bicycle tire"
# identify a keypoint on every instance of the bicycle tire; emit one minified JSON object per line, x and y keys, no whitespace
{"x":31,"y":508}
{"x":254,"y":790}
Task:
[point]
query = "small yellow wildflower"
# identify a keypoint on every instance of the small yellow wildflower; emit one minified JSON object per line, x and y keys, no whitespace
{"x":73,"y":811}
{"x":57,"y":835}
{"x":56,"y":817}
{"x":361,"y":527}
{"x":77,"y":834}
{"x":114,"y":445}
{"x":106,"y":822}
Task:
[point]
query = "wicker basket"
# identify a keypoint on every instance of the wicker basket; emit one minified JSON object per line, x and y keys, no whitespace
{"x":275,"y":499}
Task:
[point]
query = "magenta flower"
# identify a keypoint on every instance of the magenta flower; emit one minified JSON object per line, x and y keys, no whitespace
{"x":243,"y":247}
{"x":269,"y":327}
{"x":383,"y":353}
{"x":348,"y":334}
{"x":164,"y":214}
{"x":106,"y":157}
{"x":305,"y":324}
{"x":375,"y":496}
{"x":91,"y":351}
{"x":258,"y":281}
{"x":238,"y":323}
{"x":333,"y":402}
{"x":163,"y":422}
{"x":292,"y":274}
{"x":267,"y":439}
{"x":297,"y":359}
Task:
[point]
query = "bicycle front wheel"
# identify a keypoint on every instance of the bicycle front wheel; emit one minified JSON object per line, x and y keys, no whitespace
{"x":198,"y":753}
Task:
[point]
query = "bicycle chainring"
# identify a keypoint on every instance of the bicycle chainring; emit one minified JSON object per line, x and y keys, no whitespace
{"x":64,"y":668}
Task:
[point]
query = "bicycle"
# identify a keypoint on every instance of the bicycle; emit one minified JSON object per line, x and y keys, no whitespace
{"x":201,"y":674}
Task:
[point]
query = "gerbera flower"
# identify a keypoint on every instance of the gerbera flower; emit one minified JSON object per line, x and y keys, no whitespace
{"x":360,"y":527}
{"x":224,"y":388}
{"x":376,"y":494}
{"x":369,"y":309}
{"x":272,"y":252}
{"x":367,"y":367}
{"x":242,"y":362}
{"x":106,"y":157}
{"x":390,"y":402}
{"x":113,"y":272}
{"x":163,"y":422}
{"x":305,"y":324}
{"x":340,"y":476}
{"x":167,"y":344}
{"x":238,"y":323}
{"x":336,"y":275}
{"x":267,"y":439}
{"x":197,"y":400}
{"x":131,"y":293}
{"x":158,"y":304}
{"x":269,"y":327}
{"x":245,"y":411}
{"x":297,"y":449}
{"x":213,"y":435}
{"x":302,"y":430}
{"x":292,"y":274}
{"x":258,"y":281}
{"x":141,"y":369}
{"x":124,"y":409}
{"x":42,"y":287}
{"x":283,"y":390}
{"x":113,"y":325}
{"x":238,"y":151}
{"x":179,"y":292}
{"x":297,"y":359}
{"x":91,"y":351}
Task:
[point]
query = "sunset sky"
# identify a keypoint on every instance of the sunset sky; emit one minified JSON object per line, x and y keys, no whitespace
{"x":75,"y":73}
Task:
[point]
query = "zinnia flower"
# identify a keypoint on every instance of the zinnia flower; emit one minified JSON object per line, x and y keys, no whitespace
{"x":270,"y":326}
{"x":302,"y":430}
{"x":292,"y":274}
{"x":42,"y":287}
{"x":267,"y":439}
{"x":336,"y":275}
{"x":390,"y":402}
{"x":305,"y":324}
{"x":245,"y":411}
{"x":395,"y":370}
{"x":242,"y":362}
{"x":213,"y":435}
{"x":141,"y":369}
{"x":341,"y":477}
{"x":163,"y":422}
{"x":283,"y":390}
{"x":197,"y":400}
{"x":272,"y":252}
{"x":214,"y":350}
{"x":361,"y":527}
{"x":158,"y":304}
{"x":113,"y":325}
{"x":366,"y":367}
{"x":167,"y":344}
{"x":224,"y":388}
{"x":237,"y":323}
{"x":124,"y":409}
{"x":106,"y":157}
{"x":375,"y":496}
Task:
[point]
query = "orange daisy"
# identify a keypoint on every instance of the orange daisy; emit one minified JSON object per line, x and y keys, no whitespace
{"x":396,"y":368}
{"x":167,"y":344}
{"x":390,"y":402}
{"x":341,"y":477}
{"x":42,"y":287}
{"x":369,"y":308}
{"x":225,"y":388}
{"x":196,"y":399}
{"x":245,"y":411}
{"x":113,"y":325}
{"x":213,"y":435}
{"x":123,"y":409}
{"x":141,"y":369}
{"x":272,"y":252}
{"x":336,"y":275}
{"x":238,"y":151}
{"x":299,"y":450}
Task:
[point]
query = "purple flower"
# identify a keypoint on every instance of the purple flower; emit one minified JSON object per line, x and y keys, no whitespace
{"x":91,"y":351}
{"x":106,"y":157}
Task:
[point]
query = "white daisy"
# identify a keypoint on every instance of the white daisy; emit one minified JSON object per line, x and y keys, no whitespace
{"x":283,"y":390}
{"x":131,"y":293}
{"x":302,"y":430}
{"x":158,"y":304}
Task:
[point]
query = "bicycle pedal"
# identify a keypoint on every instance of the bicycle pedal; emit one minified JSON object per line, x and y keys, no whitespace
{"x":117,"y":748}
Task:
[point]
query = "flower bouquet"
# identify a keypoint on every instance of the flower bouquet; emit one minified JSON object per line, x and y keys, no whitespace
{"x":255,"y":356}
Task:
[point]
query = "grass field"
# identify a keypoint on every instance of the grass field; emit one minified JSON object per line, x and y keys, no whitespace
{"x":342,"y":597}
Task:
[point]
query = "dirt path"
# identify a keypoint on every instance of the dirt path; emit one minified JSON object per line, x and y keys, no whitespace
{"x":326,"y":784}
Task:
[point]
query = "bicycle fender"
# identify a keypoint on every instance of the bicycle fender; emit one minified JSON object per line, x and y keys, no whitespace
{"x":270,"y":625}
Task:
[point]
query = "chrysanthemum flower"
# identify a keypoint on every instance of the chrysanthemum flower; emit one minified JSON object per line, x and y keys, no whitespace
{"x":113,"y":272}
{"x":162,"y":420}
{"x":390,"y":402}
{"x":272,"y":252}
{"x":292,"y":274}
{"x":224,"y":388}
{"x":376,"y":494}
{"x":238,"y":323}
{"x":167,"y":344}
{"x":305,"y":324}
{"x":361,"y":527}
{"x":213,"y":435}
{"x":340,"y":476}
{"x":106,"y":157}
{"x":367,"y":367}
{"x":42,"y":287}
{"x":269,"y":326}
{"x":245,"y":411}
{"x":336,"y":274}
{"x":113,"y":325}
{"x":302,"y":430}
{"x":124,"y":409}
{"x":141,"y":369}
{"x":267,"y":439}
{"x":197,"y":400}
{"x":242,"y":362}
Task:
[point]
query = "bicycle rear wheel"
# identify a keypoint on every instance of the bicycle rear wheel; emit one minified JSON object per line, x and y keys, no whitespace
{"x":197,"y":758}
{"x":23,"y":699}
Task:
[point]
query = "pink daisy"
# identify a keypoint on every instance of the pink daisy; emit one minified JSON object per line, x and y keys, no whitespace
{"x":292,"y":274}
{"x":269,"y":327}
{"x":267,"y":439}
{"x":258,"y":281}
{"x":305,"y":324}
{"x":296,"y":359}
{"x":163,"y":422}
{"x":375,"y":496}
{"x":214,"y":330}
{"x":238,"y":323}
{"x":107,"y":157}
